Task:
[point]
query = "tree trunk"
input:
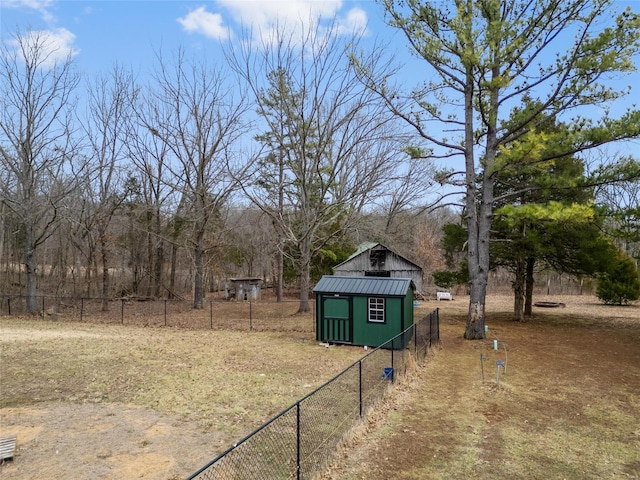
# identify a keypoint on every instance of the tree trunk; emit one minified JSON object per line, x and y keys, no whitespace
{"x":172,"y":273}
{"x":30,"y":270}
{"x":89,"y":267}
{"x":479,"y":218}
{"x":198,"y":284}
{"x":279,"y":273}
{"x":159,"y":262}
{"x":151,"y":263}
{"x":305,"y":278}
{"x":104,"y":254}
{"x":519,"y":290}
{"x":528,"y":292}
{"x":478,"y":256}
{"x":474,"y":328}
{"x":304,"y":289}
{"x":475,"y":318}
{"x":280,"y":257}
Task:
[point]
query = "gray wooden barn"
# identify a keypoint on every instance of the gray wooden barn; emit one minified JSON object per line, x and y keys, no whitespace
{"x":376,"y":260}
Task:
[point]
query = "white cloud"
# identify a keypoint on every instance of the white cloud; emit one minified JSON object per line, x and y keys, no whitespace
{"x":40,"y":6}
{"x":206,"y":23}
{"x":354,"y":21}
{"x":265,"y":13}
{"x":264,"y":16}
{"x":33,"y":4}
{"x":53,"y":45}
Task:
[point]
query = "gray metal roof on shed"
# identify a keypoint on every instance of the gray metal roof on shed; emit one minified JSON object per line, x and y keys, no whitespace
{"x":383,"y":286}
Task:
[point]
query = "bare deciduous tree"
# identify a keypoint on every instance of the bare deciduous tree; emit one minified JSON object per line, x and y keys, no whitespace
{"x":37,"y":85}
{"x":193,"y":110}
{"x":330,"y":146}
{"x":150,"y":156}
{"x":106,"y":131}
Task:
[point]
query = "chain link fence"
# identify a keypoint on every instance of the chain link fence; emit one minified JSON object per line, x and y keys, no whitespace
{"x":217,"y":313}
{"x":299,"y":442}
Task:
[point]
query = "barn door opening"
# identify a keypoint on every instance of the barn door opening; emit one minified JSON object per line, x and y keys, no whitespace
{"x":336,"y":325}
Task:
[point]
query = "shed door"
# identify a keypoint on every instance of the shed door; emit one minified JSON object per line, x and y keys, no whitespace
{"x":337,"y":324}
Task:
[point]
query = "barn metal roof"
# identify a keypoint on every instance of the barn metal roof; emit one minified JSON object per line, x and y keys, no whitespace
{"x":383,"y":286}
{"x":363,"y":247}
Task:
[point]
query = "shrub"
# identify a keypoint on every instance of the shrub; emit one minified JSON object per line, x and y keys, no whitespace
{"x":621,"y":284}
{"x":448,"y":279}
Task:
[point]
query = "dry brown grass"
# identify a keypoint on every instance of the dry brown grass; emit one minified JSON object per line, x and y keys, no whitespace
{"x":89,"y":400}
{"x":62,"y":381}
{"x":567,"y":408}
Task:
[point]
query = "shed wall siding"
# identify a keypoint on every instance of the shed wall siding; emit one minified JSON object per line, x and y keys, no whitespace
{"x":414,"y":275}
{"x":374,"y":334}
{"x":362,"y":263}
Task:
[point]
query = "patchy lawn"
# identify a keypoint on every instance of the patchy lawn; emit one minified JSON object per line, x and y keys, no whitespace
{"x":115,"y":402}
{"x":567,"y":407}
{"x":118,"y":402}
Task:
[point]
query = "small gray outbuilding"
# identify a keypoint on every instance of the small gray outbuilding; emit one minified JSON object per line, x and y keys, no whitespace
{"x":243,"y":288}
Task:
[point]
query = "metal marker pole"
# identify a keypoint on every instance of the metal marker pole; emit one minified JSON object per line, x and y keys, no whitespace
{"x":506,"y":358}
{"x":483,"y":357}
{"x":498,"y":364}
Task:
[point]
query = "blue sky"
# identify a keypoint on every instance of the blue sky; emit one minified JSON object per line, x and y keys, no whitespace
{"x":101,"y":33}
{"x":131,"y":32}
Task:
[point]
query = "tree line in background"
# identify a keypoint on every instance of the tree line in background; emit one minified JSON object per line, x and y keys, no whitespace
{"x":278,"y":161}
{"x":110,"y":187}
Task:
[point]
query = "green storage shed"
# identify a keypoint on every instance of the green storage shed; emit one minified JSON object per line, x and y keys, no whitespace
{"x":364,"y":311}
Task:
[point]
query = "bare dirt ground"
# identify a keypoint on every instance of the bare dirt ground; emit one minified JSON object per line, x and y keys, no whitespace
{"x":137,"y":405}
{"x":105,"y":441}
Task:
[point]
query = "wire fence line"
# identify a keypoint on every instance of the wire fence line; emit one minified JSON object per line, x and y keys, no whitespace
{"x":217,"y":313}
{"x":299,"y":442}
